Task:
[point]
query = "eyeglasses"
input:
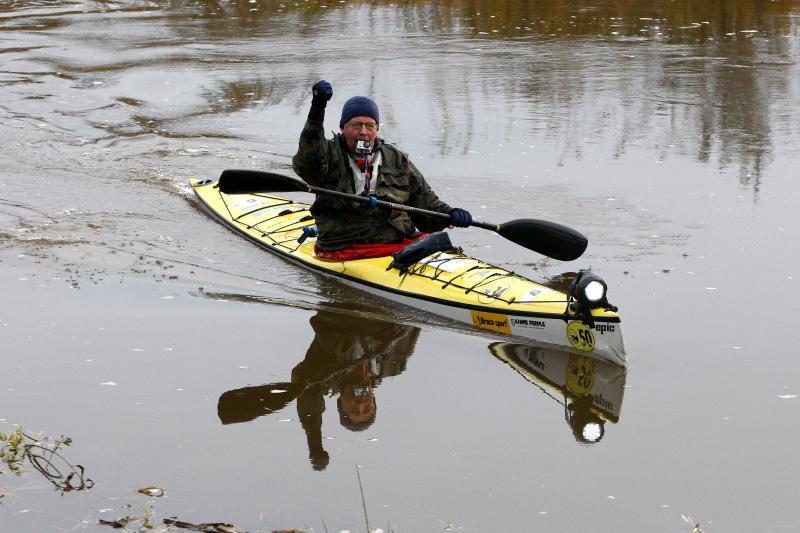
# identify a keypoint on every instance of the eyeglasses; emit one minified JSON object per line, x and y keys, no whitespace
{"x":371,"y":126}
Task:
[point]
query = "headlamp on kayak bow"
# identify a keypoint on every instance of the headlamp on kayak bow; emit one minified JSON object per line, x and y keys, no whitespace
{"x":587,"y":292}
{"x":590,"y":289}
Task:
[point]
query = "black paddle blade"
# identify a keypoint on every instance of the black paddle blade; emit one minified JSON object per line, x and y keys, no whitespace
{"x":234,"y":181}
{"x":547,"y":238}
{"x":248,"y":403}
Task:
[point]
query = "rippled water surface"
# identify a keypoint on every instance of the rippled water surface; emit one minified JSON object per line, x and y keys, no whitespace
{"x":177,"y":355}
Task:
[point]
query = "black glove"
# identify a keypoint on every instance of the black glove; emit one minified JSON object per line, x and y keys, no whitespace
{"x":460,"y":217}
{"x":322,"y":91}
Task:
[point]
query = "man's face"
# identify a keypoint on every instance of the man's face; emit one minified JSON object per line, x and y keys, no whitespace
{"x":359,"y":407}
{"x":359,"y":129}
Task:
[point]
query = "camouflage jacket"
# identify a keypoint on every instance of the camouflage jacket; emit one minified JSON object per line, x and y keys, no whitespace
{"x":341,"y":223}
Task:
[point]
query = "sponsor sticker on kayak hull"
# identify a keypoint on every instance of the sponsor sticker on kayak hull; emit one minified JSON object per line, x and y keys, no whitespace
{"x":491,"y":321}
{"x":580,"y":336}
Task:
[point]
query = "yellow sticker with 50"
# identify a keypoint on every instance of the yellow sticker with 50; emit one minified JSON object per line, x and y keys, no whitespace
{"x":580,"y":336}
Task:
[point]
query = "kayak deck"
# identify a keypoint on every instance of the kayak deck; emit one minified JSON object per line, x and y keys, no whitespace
{"x":449,"y":284}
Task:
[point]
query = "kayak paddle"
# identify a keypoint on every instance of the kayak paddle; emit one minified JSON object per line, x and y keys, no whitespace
{"x":248,"y":403}
{"x":544,"y":237}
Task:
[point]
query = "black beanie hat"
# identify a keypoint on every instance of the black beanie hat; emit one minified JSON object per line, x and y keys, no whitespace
{"x":358,"y":106}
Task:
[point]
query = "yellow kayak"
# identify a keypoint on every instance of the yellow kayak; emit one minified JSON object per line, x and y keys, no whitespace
{"x":447,"y":283}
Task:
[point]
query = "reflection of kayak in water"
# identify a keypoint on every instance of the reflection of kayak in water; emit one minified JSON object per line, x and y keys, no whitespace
{"x":348,"y":358}
{"x":447,"y":283}
{"x":591,"y":390}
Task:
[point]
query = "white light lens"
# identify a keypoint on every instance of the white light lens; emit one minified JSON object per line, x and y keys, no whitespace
{"x":594,"y":291}
{"x":592,"y":432}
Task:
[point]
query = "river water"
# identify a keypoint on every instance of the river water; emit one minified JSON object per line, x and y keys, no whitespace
{"x":164,"y":346}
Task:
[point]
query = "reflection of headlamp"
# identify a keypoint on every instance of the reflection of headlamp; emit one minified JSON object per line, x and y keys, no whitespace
{"x":587,"y":427}
{"x":592,"y":432}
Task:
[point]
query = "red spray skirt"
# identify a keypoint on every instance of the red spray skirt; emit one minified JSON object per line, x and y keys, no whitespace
{"x":364,"y":251}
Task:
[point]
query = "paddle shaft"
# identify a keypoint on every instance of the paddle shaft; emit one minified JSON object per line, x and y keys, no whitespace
{"x":391,"y":205}
{"x":547,"y":238}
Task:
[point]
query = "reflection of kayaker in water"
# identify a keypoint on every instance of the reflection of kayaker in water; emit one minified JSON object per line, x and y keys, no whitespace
{"x":348,"y":357}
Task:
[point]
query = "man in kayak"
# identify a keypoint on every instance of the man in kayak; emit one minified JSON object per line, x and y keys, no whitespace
{"x":357,"y":161}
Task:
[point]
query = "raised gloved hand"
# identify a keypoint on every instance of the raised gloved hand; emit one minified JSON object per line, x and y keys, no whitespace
{"x":322,"y":91}
{"x":460,"y":217}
